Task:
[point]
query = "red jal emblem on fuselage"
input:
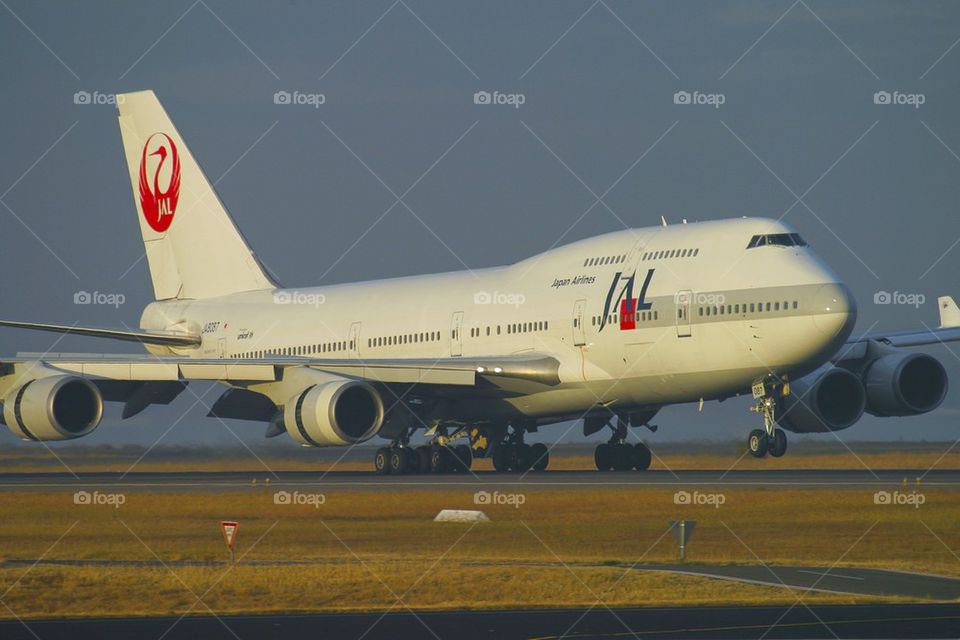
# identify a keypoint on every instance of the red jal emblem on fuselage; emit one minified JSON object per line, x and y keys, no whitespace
{"x":159,"y":205}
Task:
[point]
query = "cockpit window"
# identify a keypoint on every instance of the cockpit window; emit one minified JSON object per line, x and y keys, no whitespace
{"x":777,"y":239}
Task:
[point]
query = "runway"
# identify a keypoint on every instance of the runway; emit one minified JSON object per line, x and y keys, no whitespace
{"x":238,"y":480}
{"x":858,"y":621}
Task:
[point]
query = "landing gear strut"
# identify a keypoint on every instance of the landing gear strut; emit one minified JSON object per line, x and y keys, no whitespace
{"x":513,"y":454}
{"x":770,"y":439}
{"x":618,"y":455}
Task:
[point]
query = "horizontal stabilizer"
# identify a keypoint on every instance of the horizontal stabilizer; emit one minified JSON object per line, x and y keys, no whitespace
{"x":165,"y":338}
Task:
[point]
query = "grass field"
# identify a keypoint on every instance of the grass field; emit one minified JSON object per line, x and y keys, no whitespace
{"x":370,"y":550}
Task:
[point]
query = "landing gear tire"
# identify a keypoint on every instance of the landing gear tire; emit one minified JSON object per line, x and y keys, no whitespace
{"x":521,"y":458}
{"x":440,"y":460}
{"x":540,"y":456}
{"x":758,"y":443}
{"x":501,"y":458}
{"x":462,"y":458}
{"x":603,"y":457}
{"x":399,"y":461}
{"x":423,"y":459}
{"x":778,"y":444}
{"x":641,"y":457}
{"x":381,"y":461}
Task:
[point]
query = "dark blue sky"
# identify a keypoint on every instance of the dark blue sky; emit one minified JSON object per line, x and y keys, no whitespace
{"x":873,"y":187}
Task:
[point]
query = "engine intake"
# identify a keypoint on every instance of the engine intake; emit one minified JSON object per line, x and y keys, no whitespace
{"x":53,"y":408}
{"x":831,"y":401}
{"x":904,"y":384}
{"x":335,"y":413}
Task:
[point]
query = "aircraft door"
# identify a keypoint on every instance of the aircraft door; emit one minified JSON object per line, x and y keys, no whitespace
{"x":579,"y":317}
{"x":456,"y":334}
{"x":354,"y":344}
{"x":683,"y":299}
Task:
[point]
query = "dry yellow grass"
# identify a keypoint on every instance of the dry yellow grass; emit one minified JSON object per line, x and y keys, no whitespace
{"x":364,"y":549}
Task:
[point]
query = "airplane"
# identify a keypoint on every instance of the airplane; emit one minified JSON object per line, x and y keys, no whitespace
{"x":607,"y":330}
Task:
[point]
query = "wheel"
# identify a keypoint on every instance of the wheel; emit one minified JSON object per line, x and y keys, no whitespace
{"x":399,"y":463}
{"x":603,"y":456}
{"x":778,"y":445}
{"x":757,"y":443}
{"x":641,"y":457}
{"x":439,"y":460}
{"x":540,"y":456}
{"x":522,"y":458}
{"x":501,"y":457}
{"x":463,"y":458}
{"x":423,"y":459}
{"x":381,"y":461}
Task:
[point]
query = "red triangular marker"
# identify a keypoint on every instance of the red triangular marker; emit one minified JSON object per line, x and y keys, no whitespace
{"x":229,"y":532}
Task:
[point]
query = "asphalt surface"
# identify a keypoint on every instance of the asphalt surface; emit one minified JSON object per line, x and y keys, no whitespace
{"x":187,"y":480}
{"x":859,"y":621}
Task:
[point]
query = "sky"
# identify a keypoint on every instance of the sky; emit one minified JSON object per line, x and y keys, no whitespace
{"x":838,"y":117}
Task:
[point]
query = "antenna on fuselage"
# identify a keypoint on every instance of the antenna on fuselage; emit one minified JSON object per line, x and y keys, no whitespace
{"x":663,"y":221}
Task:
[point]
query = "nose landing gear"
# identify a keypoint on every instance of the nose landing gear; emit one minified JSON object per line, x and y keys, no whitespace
{"x":770,"y":439}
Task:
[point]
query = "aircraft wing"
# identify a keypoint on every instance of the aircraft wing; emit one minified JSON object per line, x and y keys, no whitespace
{"x":947,"y":331}
{"x":532,"y":368}
{"x":165,"y":338}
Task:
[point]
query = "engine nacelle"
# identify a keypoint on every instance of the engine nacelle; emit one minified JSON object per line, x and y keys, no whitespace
{"x":830,"y":401}
{"x":904,"y":384}
{"x":334,"y":413}
{"x":53,"y":408}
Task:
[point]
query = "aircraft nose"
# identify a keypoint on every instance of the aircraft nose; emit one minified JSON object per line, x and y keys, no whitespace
{"x":834,"y":310}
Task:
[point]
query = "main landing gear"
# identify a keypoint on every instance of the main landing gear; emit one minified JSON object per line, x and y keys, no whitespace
{"x":770,"y":439}
{"x":440,"y":456}
{"x":619,"y":455}
{"x":513,"y":454}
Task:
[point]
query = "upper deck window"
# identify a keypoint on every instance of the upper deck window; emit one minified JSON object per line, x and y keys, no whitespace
{"x":777,"y":239}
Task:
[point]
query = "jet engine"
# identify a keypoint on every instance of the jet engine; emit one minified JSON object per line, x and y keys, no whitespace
{"x":334,"y":412}
{"x":821,"y":402}
{"x":904,"y":384}
{"x":53,"y":408}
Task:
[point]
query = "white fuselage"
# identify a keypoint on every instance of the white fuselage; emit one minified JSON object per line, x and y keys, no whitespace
{"x":711,"y":317}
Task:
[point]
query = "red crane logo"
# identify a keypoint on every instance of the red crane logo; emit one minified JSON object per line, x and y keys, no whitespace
{"x":159,"y":205}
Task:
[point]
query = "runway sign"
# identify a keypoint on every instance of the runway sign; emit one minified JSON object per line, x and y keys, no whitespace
{"x":229,"y":529}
